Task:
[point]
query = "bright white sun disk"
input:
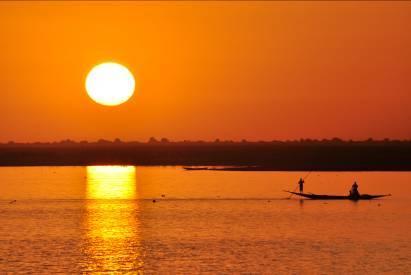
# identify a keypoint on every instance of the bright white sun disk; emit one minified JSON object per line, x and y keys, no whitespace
{"x":110,"y":84}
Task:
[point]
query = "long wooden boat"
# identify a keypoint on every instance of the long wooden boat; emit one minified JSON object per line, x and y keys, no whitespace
{"x":195,"y":168}
{"x":336,"y":197}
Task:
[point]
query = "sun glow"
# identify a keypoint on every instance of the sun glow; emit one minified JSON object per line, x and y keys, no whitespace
{"x":110,"y":84}
{"x":111,"y":182}
{"x":111,"y":222}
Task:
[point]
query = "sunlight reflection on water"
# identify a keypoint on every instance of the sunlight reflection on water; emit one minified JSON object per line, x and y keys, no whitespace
{"x":112,"y":228}
{"x":111,"y":182}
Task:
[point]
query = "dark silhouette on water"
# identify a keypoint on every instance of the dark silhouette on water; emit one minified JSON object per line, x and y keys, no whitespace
{"x":301,"y":185}
{"x":337,"y":197}
{"x":354,"y":194}
{"x":354,"y":191}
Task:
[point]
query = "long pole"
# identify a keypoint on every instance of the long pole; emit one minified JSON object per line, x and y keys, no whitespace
{"x":306,"y":176}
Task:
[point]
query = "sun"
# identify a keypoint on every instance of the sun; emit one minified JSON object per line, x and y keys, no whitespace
{"x":110,"y":84}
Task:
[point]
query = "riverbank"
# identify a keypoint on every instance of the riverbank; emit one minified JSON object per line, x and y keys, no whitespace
{"x":235,"y":156}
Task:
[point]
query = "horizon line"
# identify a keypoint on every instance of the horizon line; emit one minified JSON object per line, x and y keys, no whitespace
{"x":163,"y":140}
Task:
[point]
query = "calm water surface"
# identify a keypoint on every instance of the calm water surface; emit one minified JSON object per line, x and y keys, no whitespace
{"x":102,"y":219}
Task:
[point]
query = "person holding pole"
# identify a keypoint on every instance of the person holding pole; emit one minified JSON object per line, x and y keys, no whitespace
{"x":301,"y":185}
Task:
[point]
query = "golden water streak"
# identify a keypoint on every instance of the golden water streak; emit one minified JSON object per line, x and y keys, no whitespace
{"x":112,"y":224}
{"x":111,"y":182}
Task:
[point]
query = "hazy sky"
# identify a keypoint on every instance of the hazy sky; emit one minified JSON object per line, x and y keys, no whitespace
{"x":206,"y":70}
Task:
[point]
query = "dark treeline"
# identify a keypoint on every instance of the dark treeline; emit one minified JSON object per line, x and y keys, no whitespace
{"x":304,"y":154}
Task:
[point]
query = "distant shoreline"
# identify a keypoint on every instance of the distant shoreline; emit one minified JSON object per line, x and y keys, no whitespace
{"x":222,"y":169}
{"x":261,"y":169}
{"x":273,"y":169}
{"x":235,"y":156}
{"x":209,"y":170}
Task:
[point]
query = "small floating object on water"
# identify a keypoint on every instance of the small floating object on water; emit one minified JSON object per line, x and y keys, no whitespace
{"x":154,"y":201}
{"x":13,"y":201}
{"x":162,"y":195}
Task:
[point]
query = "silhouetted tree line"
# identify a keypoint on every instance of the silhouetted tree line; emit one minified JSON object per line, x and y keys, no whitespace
{"x":153,"y":140}
{"x":303,"y":154}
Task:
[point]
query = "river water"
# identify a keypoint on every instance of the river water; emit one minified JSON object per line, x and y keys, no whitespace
{"x":103,"y":219}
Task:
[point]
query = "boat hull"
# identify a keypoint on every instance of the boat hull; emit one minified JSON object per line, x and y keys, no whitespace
{"x":336,"y":197}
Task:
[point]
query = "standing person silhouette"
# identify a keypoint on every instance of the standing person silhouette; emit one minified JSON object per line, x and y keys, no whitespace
{"x":301,"y":184}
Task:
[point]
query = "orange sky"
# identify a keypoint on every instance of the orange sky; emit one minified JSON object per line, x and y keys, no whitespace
{"x":206,"y":70}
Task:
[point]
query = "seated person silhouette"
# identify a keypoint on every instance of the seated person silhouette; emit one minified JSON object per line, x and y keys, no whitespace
{"x":354,"y":190}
